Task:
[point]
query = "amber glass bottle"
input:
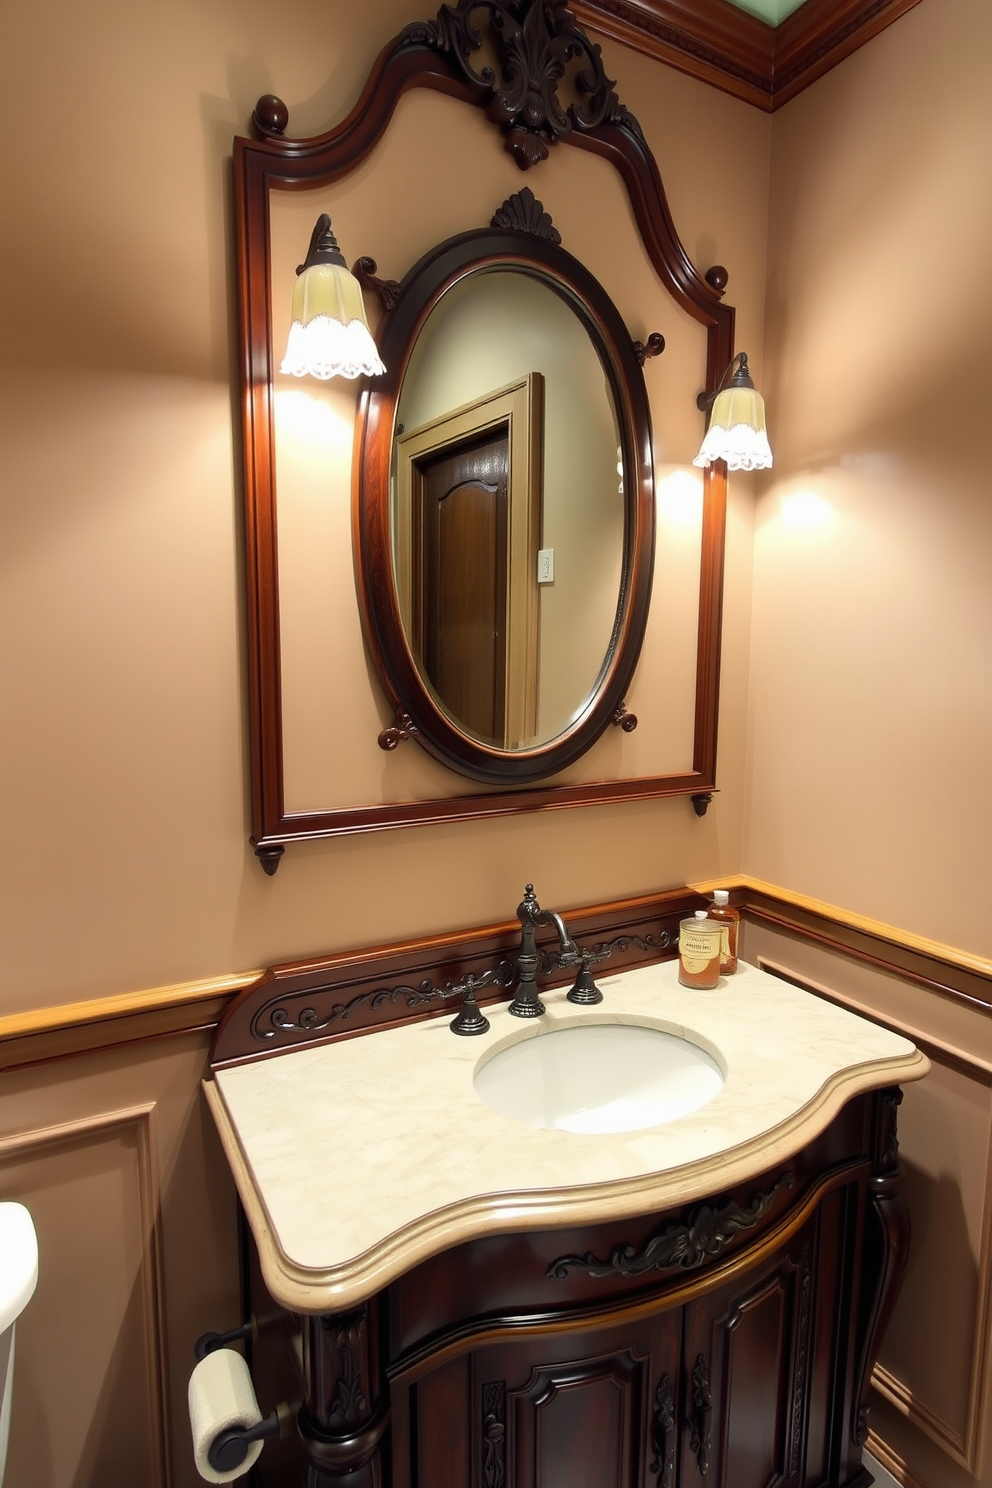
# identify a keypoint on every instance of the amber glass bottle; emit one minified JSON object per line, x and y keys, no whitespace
{"x":722,"y":910}
{"x":700,"y":945}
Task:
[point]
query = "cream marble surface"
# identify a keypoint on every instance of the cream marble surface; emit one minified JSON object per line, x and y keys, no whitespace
{"x":356,"y":1160}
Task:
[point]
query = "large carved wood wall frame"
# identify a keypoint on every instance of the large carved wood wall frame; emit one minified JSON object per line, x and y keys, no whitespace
{"x":537,"y":41}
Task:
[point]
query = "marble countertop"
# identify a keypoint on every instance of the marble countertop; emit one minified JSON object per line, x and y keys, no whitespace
{"x":357,"y":1160}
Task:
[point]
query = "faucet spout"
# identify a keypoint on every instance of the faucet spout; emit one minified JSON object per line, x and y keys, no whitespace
{"x":567,"y":948}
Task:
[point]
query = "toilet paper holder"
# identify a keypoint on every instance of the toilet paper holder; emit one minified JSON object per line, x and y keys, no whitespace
{"x":230,"y":1447}
{"x":207,"y":1342}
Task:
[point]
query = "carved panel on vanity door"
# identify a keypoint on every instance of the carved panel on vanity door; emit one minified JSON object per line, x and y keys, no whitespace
{"x":578,"y":1422}
{"x":750,"y":1343}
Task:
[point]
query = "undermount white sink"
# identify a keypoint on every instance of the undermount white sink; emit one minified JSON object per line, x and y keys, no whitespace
{"x":599,"y":1077}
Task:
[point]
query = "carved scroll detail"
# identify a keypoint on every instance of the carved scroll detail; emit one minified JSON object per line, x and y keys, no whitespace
{"x":348,"y":1404}
{"x":678,"y":1247}
{"x":623,"y":718}
{"x":494,"y":1435}
{"x":652,"y":347}
{"x":404,"y":728}
{"x":387,"y":291}
{"x":802,"y":1351}
{"x":536,"y":42}
{"x":663,"y":1433}
{"x":274,"y":1017}
{"x":700,"y":1410}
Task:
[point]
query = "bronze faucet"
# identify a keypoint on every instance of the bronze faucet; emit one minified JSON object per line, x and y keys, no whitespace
{"x":527,"y":1003}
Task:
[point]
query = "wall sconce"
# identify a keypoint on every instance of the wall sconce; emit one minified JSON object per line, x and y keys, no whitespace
{"x":736,"y":431}
{"x":329,"y":336}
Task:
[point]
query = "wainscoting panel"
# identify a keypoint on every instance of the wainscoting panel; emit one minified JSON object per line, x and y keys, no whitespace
{"x":135,"y":1215}
{"x":932,"y":1382}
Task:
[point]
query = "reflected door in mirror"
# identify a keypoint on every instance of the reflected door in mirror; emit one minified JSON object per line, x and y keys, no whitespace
{"x":459,"y":581}
{"x":513,"y":346}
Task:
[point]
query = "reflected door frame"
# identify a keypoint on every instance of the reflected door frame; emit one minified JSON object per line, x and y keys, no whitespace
{"x":519,"y":407}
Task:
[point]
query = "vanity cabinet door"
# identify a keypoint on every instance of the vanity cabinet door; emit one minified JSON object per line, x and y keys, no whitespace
{"x":747,"y":1363}
{"x":589,"y":1408}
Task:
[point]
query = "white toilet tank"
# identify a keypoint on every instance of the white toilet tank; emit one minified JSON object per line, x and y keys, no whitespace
{"x":18,"y":1279}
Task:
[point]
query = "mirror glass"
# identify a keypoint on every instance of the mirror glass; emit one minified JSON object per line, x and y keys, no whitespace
{"x":506,"y":508}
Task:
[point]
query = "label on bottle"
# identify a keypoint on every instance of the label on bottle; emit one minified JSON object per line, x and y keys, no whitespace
{"x":697,"y":947}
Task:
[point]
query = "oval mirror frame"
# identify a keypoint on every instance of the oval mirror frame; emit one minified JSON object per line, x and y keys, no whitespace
{"x":452,"y":263}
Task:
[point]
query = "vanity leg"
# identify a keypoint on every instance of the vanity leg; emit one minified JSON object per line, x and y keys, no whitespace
{"x":345,"y":1413}
{"x":886,"y":1250}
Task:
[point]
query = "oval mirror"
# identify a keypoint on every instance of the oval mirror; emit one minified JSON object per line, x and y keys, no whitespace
{"x":505,"y":507}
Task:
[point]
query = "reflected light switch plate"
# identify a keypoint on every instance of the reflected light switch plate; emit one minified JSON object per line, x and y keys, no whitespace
{"x":546,"y":566}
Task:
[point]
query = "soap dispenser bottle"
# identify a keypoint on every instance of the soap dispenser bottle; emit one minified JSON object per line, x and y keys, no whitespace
{"x":720,"y":909}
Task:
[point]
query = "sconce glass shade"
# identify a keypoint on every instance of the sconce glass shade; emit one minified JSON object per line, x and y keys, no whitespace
{"x":330,"y":335}
{"x":736,"y":430}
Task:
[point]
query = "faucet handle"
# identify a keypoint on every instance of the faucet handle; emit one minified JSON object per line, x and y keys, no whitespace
{"x":470,"y":1019}
{"x":584,"y":990}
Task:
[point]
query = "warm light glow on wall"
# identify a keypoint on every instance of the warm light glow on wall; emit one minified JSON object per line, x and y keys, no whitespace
{"x":680,"y":498}
{"x":805,"y":511}
{"x":322,"y":422}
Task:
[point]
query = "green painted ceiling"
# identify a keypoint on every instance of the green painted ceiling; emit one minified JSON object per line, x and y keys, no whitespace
{"x":771,"y":11}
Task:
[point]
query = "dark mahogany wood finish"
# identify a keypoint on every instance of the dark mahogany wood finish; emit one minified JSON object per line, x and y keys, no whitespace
{"x":540,"y":257}
{"x":738,"y":53}
{"x":741,"y":1359}
{"x":337,"y":997}
{"x":438,"y":55}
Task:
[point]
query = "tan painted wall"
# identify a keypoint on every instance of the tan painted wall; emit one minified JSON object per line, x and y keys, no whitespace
{"x":871,"y":681}
{"x":933,"y":1384}
{"x":124,"y":805}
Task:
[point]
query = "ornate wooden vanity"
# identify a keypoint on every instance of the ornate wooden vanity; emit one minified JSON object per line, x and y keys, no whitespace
{"x":713,"y":1321}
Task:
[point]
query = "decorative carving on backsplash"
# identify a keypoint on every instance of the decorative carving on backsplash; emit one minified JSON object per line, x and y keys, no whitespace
{"x":494,"y":1435}
{"x":536,"y":43}
{"x":278,"y":1015}
{"x":678,"y":1247}
{"x":665,"y":940}
{"x":663,"y":1433}
{"x":522,"y":212}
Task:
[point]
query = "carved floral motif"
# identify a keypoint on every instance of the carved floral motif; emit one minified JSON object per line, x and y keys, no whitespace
{"x":682,"y":1247}
{"x":536,"y":43}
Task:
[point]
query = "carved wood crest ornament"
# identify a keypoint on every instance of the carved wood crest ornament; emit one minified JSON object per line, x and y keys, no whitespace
{"x":537,"y":47}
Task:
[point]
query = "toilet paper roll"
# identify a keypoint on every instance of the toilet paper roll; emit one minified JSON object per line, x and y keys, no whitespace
{"x":221,"y":1395}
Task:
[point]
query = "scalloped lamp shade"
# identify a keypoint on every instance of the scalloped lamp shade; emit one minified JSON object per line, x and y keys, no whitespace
{"x":736,"y":431}
{"x":329,"y":336}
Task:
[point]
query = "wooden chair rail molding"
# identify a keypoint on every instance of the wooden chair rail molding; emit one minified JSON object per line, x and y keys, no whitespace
{"x":711,"y":40}
{"x":54,"y":1032}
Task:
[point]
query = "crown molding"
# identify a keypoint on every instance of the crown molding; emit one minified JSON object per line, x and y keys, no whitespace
{"x":712,"y":40}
